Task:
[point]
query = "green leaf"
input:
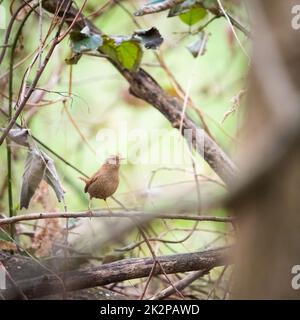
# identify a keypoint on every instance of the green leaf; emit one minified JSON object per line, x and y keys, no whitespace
{"x":190,"y":12}
{"x":129,"y":54}
{"x":194,"y":15}
{"x":84,"y":40}
{"x":109,"y":48}
{"x":125,"y":51}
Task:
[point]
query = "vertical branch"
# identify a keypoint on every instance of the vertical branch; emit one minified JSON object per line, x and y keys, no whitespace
{"x":8,"y":149}
{"x":10,"y":100}
{"x":40,"y":32}
{"x":9,"y":28}
{"x":9,"y":187}
{"x":38,"y":75}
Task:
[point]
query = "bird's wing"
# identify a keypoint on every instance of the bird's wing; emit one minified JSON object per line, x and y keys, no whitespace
{"x":89,"y":182}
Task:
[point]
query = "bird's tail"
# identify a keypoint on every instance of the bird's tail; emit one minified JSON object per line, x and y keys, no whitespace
{"x":86,"y":180}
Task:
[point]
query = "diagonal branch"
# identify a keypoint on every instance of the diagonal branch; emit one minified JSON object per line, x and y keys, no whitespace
{"x":119,"y":271}
{"x":145,"y":87}
{"x":180,"y":285}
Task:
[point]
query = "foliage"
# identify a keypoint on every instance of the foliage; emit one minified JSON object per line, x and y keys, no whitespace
{"x":125,"y":50}
{"x":75,"y":99}
{"x":190,"y":12}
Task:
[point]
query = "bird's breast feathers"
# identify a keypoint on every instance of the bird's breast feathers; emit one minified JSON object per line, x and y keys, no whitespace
{"x":103,"y":185}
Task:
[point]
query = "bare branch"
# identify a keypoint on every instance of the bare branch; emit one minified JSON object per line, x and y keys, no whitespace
{"x":157,"y":7}
{"x":105,"y":214}
{"x":120,"y":271}
{"x":168,"y":4}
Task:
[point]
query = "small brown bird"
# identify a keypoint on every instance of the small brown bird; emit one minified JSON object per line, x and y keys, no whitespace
{"x":104,"y":183}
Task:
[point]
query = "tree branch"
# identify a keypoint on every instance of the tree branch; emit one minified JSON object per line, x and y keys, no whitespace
{"x":168,"y":4}
{"x":118,"y":271}
{"x":36,"y":79}
{"x":105,"y":214}
{"x":145,"y":87}
{"x":180,"y":284}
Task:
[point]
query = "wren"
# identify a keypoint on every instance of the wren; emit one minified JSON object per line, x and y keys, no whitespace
{"x":104,"y":183}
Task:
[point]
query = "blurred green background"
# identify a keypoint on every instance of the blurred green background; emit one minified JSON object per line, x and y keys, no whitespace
{"x":100,"y":100}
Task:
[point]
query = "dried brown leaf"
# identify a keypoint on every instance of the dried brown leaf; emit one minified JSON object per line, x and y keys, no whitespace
{"x":33,"y":174}
{"x":19,"y":136}
{"x":7,"y":246}
{"x":52,"y":178}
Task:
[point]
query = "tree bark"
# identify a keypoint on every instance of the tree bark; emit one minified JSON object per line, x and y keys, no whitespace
{"x":126,"y":269}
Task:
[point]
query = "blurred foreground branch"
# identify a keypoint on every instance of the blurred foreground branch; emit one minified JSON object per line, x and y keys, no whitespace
{"x":106,"y":214}
{"x":112,"y":272}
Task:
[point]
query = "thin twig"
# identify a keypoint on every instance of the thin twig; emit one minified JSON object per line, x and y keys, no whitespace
{"x":179,"y":285}
{"x":15,"y":285}
{"x":156,"y":261}
{"x":51,"y":150}
{"x":106,"y":214}
{"x":37,"y":77}
{"x":232,"y":28}
{"x":10,"y":100}
{"x":9,"y":29}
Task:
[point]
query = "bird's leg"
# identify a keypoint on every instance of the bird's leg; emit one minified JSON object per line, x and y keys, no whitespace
{"x":108,"y":206}
{"x":90,"y":208}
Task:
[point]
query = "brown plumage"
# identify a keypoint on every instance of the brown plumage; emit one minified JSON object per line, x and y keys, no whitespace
{"x":104,"y":183}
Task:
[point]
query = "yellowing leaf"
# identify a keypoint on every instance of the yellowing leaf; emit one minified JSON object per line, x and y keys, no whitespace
{"x":128,"y":53}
